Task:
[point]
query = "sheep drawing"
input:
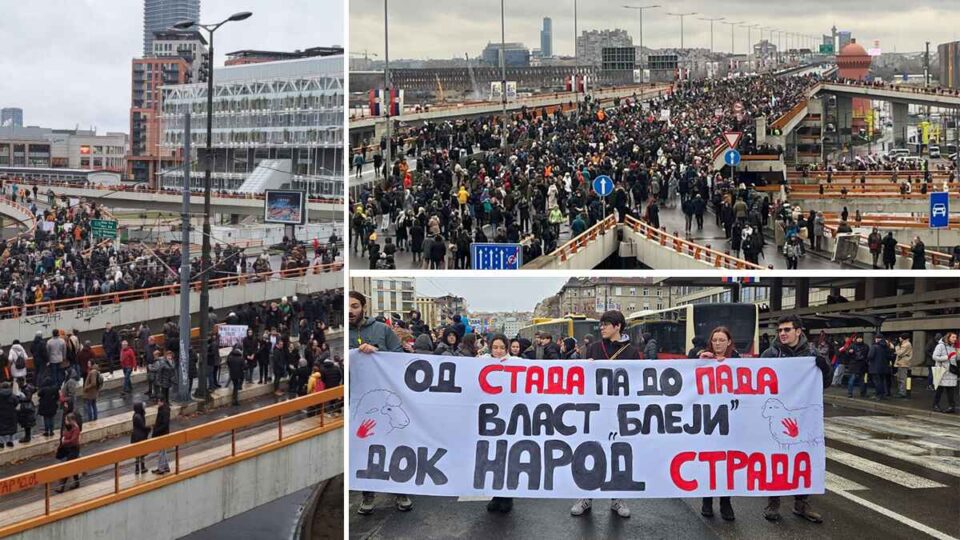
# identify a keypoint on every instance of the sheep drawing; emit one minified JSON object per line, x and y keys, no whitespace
{"x":379,"y":406}
{"x":793,"y":426}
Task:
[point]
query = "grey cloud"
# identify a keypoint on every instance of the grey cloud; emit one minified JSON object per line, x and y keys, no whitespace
{"x":67,"y":62}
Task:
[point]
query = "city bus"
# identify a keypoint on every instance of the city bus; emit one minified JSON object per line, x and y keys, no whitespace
{"x":674,"y":328}
{"x":569,"y":325}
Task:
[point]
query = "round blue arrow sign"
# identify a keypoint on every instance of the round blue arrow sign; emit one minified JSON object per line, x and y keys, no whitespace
{"x":731,"y":157}
{"x":603,"y":185}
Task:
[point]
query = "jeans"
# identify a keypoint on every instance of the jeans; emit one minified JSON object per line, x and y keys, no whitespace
{"x":838,"y":374}
{"x":56,"y":374}
{"x":91,"y":408}
{"x":856,"y":379}
{"x":162,"y":463}
{"x":127,"y":383}
{"x":48,"y":424}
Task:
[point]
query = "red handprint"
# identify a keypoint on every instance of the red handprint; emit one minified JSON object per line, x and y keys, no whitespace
{"x":366,"y":428}
{"x":792,"y":429}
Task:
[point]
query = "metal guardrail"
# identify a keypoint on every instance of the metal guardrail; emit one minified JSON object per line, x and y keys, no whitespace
{"x":12,"y":312}
{"x":935,"y":258}
{"x":691,"y":249}
{"x":184,"y":463}
{"x":32,"y":219}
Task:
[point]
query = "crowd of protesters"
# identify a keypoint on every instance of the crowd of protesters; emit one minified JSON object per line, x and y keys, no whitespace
{"x":61,"y":261}
{"x":466,"y":187}
{"x":456,"y":338}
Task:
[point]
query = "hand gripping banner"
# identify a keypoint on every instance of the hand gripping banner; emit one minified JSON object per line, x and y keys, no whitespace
{"x":439,"y":425}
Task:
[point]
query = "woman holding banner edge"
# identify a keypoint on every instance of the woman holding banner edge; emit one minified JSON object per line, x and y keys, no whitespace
{"x":719,"y":347}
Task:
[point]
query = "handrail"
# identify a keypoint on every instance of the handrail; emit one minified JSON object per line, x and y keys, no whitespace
{"x":686,"y":247}
{"x":180,"y":471}
{"x":52,"y":306}
{"x":133,"y":189}
{"x":936,"y":258}
{"x":789,"y":115}
{"x":32,"y":221}
{"x":574,"y":245}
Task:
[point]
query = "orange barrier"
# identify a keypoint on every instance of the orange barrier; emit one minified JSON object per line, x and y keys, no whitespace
{"x":686,"y":247}
{"x":578,"y":243}
{"x":785,"y":118}
{"x":183,"y":467}
{"x":133,"y":189}
{"x":12,"y":312}
{"x":31,"y":224}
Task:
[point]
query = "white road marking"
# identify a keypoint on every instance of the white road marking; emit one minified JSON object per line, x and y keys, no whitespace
{"x":835,"y":482}
{"x":880,"y":470}
{"x":886,"y":512}
{"x":473,"y":498}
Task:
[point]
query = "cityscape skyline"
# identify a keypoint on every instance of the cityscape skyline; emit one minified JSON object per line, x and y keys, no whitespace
{"x":458,"y":24}
{"x":492,"y":294}
{"x":85,"y":82}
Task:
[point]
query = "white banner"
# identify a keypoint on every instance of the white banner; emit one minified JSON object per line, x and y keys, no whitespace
{"x":231,"y":334}
{"x":432,"y":425}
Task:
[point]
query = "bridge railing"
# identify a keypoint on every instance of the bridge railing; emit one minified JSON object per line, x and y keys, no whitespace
{"x":686,"y":247}
{"x":12,"y":312}
{"x":136,"y":189}
{"x":934,"y":258}
{"x":31,"y":500}
{"x":573,"y":246}
{"x":785,"y":119}
{"x":31,"y":221}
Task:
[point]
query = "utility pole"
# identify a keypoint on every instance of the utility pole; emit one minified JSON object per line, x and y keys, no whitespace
{"x":503,"y":77}
{"x":183,"y":393}
{"x":682,"y":15}
{"x":712,"y":20}
{"x":639,"y":10}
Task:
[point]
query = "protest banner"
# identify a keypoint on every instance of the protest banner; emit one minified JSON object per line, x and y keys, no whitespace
{"x":433,"y":425}
{"x":231,"y":334}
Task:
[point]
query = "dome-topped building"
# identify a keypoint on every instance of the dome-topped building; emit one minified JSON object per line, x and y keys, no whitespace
{"x":853,"y":62}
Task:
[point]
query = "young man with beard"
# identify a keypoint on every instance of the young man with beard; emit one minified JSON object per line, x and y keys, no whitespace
{"x":367,"y":335}
{"x":612,"y":345}
{"x":792,"y":342}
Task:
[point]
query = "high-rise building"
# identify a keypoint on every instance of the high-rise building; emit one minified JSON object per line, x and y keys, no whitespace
{"x":387,"y":296}
{"x":590,"y":44}
{"x":160,"y":15}
{"x":11,"y":117}
{"x":38,"y":147}
{"x":949,"y":55}
{"x":277,"y":125}
{"x":514,"y":55}
{"x":546,"y":38}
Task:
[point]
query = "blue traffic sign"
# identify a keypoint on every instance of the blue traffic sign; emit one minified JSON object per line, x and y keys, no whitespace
{"x":603,"y":185}
{"x":496,"y":256}
{"x":939,"y":210}
{"x":731,"y":157}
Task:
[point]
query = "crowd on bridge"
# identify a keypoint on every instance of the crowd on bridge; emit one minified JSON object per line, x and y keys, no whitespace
{"x":62,"y":375}
{"x":60,"y":259}
{"x":456,"y":338}
{"x":881,"y":85}
{"x":478,"y":181}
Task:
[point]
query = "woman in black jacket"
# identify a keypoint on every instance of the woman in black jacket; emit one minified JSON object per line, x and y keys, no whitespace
{"x":47,"y":407}
{"x":140,"y":433}
{"x":250,"y":348}
{"x":263,"y":358}
{"x":161,"y":427}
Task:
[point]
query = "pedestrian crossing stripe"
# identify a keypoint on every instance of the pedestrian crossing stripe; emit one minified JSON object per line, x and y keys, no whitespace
{"x":880,"y":470}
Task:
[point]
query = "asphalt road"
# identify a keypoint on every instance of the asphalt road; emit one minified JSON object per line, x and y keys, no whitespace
{"x":888,"y":477}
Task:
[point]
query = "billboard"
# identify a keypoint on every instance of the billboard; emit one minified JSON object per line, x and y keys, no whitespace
{"x":285,"y":206}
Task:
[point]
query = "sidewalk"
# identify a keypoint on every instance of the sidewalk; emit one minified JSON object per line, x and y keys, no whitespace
{"x":920,"y":402}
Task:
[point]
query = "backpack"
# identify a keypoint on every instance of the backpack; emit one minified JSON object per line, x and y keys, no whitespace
{"x":99,"y":380}
{"x":20,"y":362}
{"x":319,"y":386}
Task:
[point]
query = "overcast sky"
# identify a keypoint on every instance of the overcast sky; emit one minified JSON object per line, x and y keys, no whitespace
{"x":429,"y":29}
{"x":67,"y":62}
{"x":493,"y":294}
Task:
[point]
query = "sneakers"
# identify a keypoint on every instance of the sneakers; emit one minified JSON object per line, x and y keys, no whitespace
{"x":366,"y":505}
{"x":802,"y":508}
{"x":581,"y":506}
{"x":772,"y":511}
{"x":620,"y":507}
{"x":404,"y":504}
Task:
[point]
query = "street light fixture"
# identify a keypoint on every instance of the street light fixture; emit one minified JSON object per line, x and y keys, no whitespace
{"x":712,"y":20}
{"x":205,"y":267}
{"x":639,"y":10}
{"x":682,"y":15}
{"x":732,"y":26}
{"x":749,"y":41}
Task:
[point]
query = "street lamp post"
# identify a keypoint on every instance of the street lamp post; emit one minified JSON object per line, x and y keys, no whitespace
{"x":576,"y":63}
{"x":503,"y":77}
{"x":749,"y":41}
{"x":712,"y":20}
{"x":202,"y":391}
{"x":732,"y":26}
{"x":682,"y":15}
{"x":639,"y":10}
{"x":388,"y":147}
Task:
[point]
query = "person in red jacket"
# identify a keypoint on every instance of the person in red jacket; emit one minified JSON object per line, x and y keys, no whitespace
{"x":128,"y":361}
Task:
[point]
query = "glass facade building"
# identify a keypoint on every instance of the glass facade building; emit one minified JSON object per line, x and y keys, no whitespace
{"x":159,"y":15}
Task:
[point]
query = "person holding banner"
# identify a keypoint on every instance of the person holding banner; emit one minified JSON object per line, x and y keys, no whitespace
{"x":367,"y":336}
{"x":720,"y":346}
{"x":499,"y":349}
{"x":613,"y":345}
{"x":791,"y":342}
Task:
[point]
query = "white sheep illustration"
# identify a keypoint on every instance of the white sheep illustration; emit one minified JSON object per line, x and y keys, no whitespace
{"x":376,"y":404}
{"x":793,"y":426}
